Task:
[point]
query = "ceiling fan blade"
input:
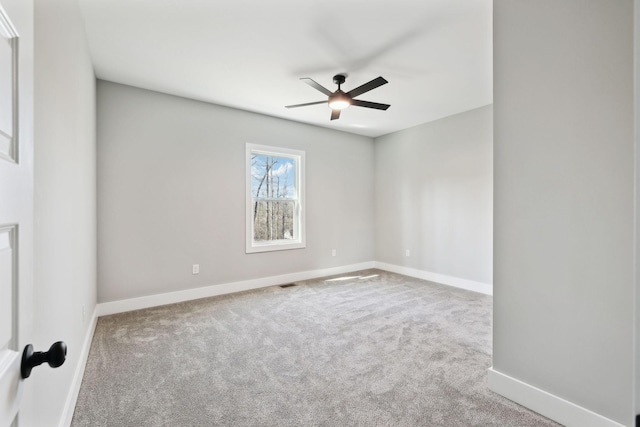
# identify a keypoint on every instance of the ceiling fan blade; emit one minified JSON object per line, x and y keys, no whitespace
{"x":367,"y":87}
{"x":368,"y":104}
{"x":316,"y":85}
{"x":304,"y":105}
{"x":335,"y":114}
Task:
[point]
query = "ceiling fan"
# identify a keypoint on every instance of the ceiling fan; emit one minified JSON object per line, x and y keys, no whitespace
{"x":340,"y":100}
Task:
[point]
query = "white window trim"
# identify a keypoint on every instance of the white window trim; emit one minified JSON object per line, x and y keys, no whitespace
{"x":300,"y":242}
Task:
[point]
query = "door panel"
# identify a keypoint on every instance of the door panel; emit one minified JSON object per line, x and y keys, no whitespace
{"x":7,"y":292}
{"x":8,"y":87}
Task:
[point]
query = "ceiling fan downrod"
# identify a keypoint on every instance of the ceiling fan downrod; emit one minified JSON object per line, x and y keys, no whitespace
{"x":339,"y":79}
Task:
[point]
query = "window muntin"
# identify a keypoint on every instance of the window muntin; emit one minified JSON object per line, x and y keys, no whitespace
{"x":275,"y":208}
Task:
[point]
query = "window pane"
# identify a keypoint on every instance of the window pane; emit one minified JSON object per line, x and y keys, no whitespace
{"x":273,"y":177}
{"x":275,"y":200}
{"x":273,"y":220}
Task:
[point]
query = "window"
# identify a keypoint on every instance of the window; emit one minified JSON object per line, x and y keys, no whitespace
{"x":275,"y":199}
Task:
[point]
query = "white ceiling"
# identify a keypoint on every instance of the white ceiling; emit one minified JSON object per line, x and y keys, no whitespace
{"x":250,"y":54}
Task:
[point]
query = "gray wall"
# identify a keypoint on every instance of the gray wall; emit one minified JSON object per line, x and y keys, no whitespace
{"x":171,"y":177}
{"x":65,"y":199}
{"x":564,"y":190}
{"x":434,"y":193}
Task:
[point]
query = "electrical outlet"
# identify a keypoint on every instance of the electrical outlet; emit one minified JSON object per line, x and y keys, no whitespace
{"x":333,"y":252}
{"x":196,"y":269}
{"x":407,"y":252}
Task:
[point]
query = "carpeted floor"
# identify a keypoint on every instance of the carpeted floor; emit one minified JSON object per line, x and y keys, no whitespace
{"x":375,"y":349}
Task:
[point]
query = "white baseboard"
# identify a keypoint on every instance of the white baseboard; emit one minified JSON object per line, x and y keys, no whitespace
{"x":456,"y":282}
{"x":74,"y":390}
{"x":547,"y":404}
{"x":122,"y":306}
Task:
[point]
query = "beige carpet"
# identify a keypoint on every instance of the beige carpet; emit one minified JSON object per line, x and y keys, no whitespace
{"x":375,"y":349}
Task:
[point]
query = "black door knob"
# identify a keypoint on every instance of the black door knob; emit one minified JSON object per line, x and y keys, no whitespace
{"x":54,"y":357}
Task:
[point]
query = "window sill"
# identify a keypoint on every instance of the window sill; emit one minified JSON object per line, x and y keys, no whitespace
{"x":274,"y":246}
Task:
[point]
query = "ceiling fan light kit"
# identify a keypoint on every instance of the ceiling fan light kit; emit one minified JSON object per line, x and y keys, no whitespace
{"x":340,"y":100}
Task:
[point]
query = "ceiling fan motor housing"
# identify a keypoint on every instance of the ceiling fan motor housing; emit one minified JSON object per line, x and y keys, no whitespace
{"x":339,"y":100}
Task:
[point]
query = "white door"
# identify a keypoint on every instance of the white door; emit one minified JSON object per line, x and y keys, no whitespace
{"x":16,"y":197}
